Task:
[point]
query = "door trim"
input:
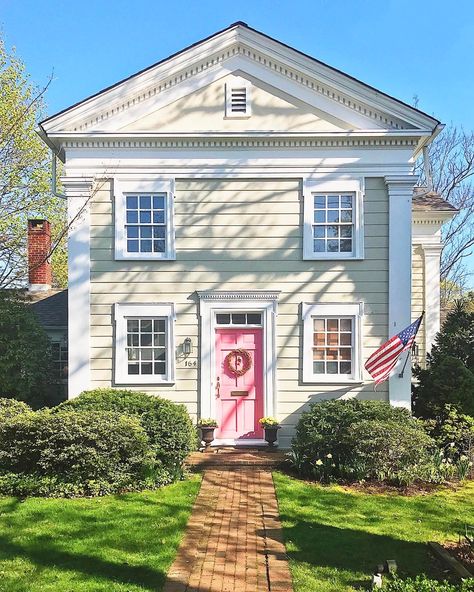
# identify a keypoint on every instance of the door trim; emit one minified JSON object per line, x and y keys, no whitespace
{"x":214,"y":301}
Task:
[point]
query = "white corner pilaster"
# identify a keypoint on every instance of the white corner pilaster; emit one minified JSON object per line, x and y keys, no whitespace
{"x":400,"y":195}
{"x":79,"y":192}
{"x":432,"y":255}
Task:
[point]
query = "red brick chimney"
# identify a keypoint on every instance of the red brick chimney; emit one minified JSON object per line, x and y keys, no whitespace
{"x":39,"y":247}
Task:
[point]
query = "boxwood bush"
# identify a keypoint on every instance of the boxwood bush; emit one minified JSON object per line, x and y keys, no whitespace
{"x":167,"y":424}
{"x":354,"y":440}
{"x":12,"y":407}
{"x":74,"y":453}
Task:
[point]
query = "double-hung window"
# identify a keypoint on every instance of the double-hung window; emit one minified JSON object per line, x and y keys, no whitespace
{"x":144,"y":344}
{"x":331,"y":342}
{"x":144,"y":219}
{"x":333,"y":218}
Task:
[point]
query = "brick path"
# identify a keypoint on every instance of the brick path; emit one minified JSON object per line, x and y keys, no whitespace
{"x":234,"y":541}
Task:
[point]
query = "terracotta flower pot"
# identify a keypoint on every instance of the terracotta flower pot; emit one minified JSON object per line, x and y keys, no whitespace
{"x":207,"y":435}
{"x":271,"y":434}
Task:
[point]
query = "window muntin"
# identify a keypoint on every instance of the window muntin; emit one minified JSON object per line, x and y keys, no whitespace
{"x":333,"y":217}
{"x":333,"y":222}
{"x":333,"y":345}
{"x":144,"y":219}
{"x":145,"y":223}
{"x":59,"y":352}
{"x":146,"y":346}
{"x":332,"y":342}
{"x":144,"y":343}
{"x":238,"y":319}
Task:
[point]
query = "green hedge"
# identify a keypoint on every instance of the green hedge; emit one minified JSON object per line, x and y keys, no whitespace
{"x":423,"y":584}
{"x":352,"y":439}
{"x":12,"y":407}
{"x":167,"y":424}
{"x":79,"y":449}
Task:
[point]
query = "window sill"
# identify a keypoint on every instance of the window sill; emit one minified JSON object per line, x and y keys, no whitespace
{"x":327,"y":380}
{"x":332,"y":258}
{"x":126,"y":382}
{"x":143,"y":257}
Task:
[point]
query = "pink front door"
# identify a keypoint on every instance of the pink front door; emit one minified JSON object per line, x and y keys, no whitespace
{"x":239,"y":399}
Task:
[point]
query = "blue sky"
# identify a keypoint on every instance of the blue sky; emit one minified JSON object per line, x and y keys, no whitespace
{"x":403,"y":47}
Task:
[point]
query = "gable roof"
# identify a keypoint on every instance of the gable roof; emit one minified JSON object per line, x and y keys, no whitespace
{"x":239,"y":48}
{"x":235,"y":25}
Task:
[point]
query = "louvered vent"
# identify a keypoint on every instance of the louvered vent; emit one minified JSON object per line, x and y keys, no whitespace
{"x":238,"y":100}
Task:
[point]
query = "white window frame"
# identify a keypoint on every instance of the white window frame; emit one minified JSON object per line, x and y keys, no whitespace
{"x":310,"y":311}
{"x":238,"y":82}
{"x":123,"y":311}
{"x":326,"y":184}
{"x":123,"y":187}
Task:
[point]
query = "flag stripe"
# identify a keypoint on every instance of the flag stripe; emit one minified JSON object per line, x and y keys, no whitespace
{"x":382,"y":362}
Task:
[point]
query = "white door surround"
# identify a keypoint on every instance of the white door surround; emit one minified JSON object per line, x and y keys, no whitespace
{"x":216,"y":301}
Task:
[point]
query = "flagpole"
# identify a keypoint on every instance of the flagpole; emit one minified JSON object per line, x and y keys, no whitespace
{"x":402,"y":372}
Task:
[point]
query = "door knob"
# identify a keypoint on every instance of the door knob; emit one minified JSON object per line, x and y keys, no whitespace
{"x":218,"y":388}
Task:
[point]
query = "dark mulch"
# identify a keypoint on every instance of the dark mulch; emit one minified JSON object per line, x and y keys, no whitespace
{"x":463,"y":552}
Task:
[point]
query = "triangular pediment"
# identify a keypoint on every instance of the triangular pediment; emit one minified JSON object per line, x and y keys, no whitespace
{"x":291,"y":92}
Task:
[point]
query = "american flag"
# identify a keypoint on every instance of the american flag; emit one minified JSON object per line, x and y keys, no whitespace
{"x":383,"y":361}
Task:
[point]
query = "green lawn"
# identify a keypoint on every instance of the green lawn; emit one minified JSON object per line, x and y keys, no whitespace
{"x":122,"y":543}
{"x":335,"y":537}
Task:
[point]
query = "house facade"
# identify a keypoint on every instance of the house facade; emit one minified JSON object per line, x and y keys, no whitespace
{"x":241,"y":232}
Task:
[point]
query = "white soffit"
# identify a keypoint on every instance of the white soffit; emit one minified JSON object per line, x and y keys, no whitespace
{"x":240,"y":49}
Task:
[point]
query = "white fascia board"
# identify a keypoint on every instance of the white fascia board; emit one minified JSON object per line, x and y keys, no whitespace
{"x":139,"y":80}
{"x":144,"y":135}
{"x":338,"y":80}
{"x":227,"y":41}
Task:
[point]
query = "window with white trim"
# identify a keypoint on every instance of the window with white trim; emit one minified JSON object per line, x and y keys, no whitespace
{"x":237,"y":98}
{"x":333,"y":219}
{"x":144,"y":219}
{"x":331,"y":342}
{"x":144,"y":343}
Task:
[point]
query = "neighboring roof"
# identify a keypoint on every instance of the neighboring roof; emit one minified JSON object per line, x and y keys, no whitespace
{"x":51,"y":307}
{"x":239,"y":24}
{"x":425,"y":201}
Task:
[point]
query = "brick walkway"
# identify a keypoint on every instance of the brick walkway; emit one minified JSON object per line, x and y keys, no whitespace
{"x":233,"y":542}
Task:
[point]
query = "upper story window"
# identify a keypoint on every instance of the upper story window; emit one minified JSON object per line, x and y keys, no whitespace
{"x":144,"y":343}
{"x":333,"y":218}
{"x":144,"y":219}
{"x":331,"y":342}
{"x":237,"y":98}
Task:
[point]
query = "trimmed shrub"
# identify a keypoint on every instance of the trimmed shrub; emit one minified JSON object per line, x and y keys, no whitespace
{"x":12,"y":408}
{"x":168,"y":426}
{"x":424,"y":584}
{"x":352,"y":439}
{"x":74,"y":453}
{"x":390,"y":451}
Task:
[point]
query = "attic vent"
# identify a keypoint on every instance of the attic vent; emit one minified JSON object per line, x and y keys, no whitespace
{"x":238,"y":100}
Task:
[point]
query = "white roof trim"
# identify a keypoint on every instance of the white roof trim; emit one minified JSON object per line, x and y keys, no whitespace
{"x":241,"y":44}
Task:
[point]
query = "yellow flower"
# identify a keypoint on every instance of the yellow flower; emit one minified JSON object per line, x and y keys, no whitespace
{"x":319,"y":462}
{"x":329,"y":455}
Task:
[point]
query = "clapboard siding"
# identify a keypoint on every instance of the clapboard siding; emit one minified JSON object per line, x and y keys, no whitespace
{"x":418,"y":296}
{"x":240,"y":234}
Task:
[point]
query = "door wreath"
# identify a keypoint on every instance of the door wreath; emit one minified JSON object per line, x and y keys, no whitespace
{"x":231,"y":362}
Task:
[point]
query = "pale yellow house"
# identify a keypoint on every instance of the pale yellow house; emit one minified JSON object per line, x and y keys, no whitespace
{"x":241,"y":236}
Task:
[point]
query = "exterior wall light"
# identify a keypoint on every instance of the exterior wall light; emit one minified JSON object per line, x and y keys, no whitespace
{"x":187,"y":346}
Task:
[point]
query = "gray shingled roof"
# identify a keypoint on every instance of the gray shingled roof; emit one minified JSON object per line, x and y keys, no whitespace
{"x":51,"y":310}
{"x":425,"y":201}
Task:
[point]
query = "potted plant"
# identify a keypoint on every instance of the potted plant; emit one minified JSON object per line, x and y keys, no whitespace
{"x":207,"y":426}
{"x":271,"y":427}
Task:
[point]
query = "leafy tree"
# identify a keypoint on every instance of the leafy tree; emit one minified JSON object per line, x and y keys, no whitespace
{"x":449,"y":375}
{"x":25,"y":354}
{"x":24,"y":175}
{"x":451,"y":174}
